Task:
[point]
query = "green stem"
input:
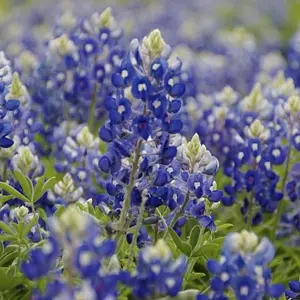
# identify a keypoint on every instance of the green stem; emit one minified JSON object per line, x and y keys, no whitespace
{"x":91,"y":119}
{"x":250,"y":210}
{"x":192,"y":261}
{"x":19,"y":257}
{"x":155,"y":234}
{"x":284,"y":179}
{"x":136,"y":234}
{"x":179,"y":213}
{"x":36,"y":219}
{"x":126,"y":204}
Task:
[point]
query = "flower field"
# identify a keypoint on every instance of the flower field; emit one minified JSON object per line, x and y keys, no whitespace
{"x":149,"y":150}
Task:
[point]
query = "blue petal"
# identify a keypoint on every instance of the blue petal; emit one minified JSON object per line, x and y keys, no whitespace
{"x":276,"y":290}
{"x":12,"y":105}
{"x":105,"y":135}
{"x":115,"y":117}
{"x":295,"y":286}
{"x":6,"y":143}
{"x":177,"y":90}
{"x":213,"y":266}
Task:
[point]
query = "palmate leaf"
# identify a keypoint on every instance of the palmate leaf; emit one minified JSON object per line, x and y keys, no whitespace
{"x":184,"y":247}
{"x":206,"y":249}
{"x":41,"y":188}
{"x":10,"y":253}
{"x":25,"y":183}
{"x":195,"y":235}
{"x":8,"y":282}
{"x":5,"y":198}
{"x":6,"y":228}
{"x":12,"y":191}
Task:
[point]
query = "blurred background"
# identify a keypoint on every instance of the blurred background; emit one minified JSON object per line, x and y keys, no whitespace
{"x":224,"y":38}
{"x":280,"y":17}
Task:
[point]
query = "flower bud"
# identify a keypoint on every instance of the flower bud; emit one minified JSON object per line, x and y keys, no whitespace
{"x":62,"y":46}
{"x":256,"y":101}
{"x":25,"y":160}
{"x":160,"y":251}
{"x":154,"y":43}
{"x":20,"y":212}
{"x":106,"y":18}
{"x":86,"y":139}
{"x":257,"y":130}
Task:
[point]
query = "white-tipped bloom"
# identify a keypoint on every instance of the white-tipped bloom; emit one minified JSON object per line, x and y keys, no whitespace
{"x":24,"y":160}
{"x":67,"y":20}
{"x":19,"y":212}
{"x":159,"y":251}
{"x":27,"y":61}
{"x":86,"y":291}
{"x":238,"y":37}
{"x":86,"y":139}
{"x":5,"y":70}
{"x":257,"y":130}
{"x":256,"y":102}
{"x":72,"y":220}
{"x":17,"y":90}
{"x":242,"y":242}
{"x":292,"y":106}
{"x":66,"y":189}
{"x":153,"y":45}
{"x":62,"y":46}
{"x":197,"y":156}
{"x":106,"y":18}
{"x":283,"y":86}
{"x":227,"y":96}
{"x":272,"y":61}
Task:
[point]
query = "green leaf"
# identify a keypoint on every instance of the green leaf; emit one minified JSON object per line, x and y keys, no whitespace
{"x":5,"y":198}
{"x":195,"y":235}
{"x":49,"y":184}
{"x":205,"y":249}
{"x":6,"y":228}
{"x":38,"y":187}
{"x":184,"y":247}
{"x":9,"y":237}
{"x":7,"y":281}
{"x":59,"y":211}
{"x":25,"y":183}
{"x":224,"y":226}
{"x":28,"y":226}
{"x":42,"y":213}
{"x":219,"y":240}
{"x":195,"y":276}
{"x":13,"y":192}
{"x":10,"y":253}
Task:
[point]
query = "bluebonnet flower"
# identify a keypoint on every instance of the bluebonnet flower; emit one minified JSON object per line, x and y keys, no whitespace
{"x":243,"y":268}
{"x":146,"y":165}
{"x":294,"y":290}
{"x":290,"y":220}
{"x":41,"y":260}
{"x":78,"y":154}
{"x":27,"y":162}
{"x":293,"y":59}
{"x":86,"y":254}
{"x":70,"y":71}
{"x":247,"y":135}
{"x":157,"y":273}
{"x":141,"y":118}
{"x":10,"y":93}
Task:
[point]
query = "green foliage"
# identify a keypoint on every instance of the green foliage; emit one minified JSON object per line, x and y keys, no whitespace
{"x":184,"y":247}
